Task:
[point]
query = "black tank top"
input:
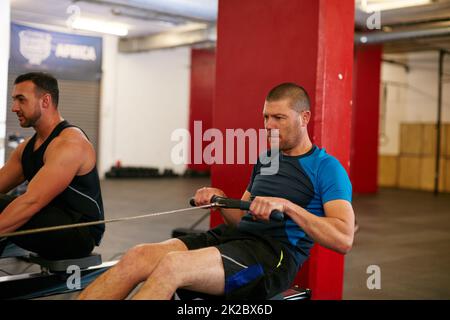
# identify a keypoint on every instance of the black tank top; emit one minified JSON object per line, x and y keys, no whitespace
{"x":83,"y":195}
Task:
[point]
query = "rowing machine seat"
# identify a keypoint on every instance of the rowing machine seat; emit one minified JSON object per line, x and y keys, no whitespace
{"x":294,"y":293}
{"x":54,"y":266}
{"x":10,"y":250}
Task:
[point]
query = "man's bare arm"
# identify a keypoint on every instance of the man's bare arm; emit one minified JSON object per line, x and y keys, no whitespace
{"x":230,"y":216}
{"x":11,"y":174}
{"x":334,"y":231}
{"x":63,"y":160}
{"x":234,"y":216}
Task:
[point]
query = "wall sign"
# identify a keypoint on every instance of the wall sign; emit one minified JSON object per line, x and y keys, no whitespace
{"x":67,"y":56}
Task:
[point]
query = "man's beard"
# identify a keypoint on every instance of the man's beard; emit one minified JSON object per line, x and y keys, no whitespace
{"x":30,"y":121}
{"x":287,"y":144}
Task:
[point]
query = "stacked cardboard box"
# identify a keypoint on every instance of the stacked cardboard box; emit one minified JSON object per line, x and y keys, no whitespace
{"x":415,"y":166}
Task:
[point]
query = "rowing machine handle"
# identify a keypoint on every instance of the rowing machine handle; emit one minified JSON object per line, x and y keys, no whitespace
{"x":239,"y":204}
{"x":227,"y":203}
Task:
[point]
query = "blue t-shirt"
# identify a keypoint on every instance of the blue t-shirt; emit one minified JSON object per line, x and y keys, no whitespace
{"x":309,"y":180}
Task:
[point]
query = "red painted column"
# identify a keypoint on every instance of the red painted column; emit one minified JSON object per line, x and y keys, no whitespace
{"x":263,"y":43}
{"x":203,"y":76}
{"x":365,"y":122}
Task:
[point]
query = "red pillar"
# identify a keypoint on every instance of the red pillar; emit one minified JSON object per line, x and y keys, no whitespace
{"x":263,"y":43}
{"x":203,"y":76}
{"x":365,"y":122}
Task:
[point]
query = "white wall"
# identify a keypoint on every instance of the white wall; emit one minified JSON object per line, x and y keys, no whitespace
{"x":106,"y":151}
{"x":145,"y":98}
{"x":4,"y":57}
{"x":412,"y":96}
{"x":423,"y":84}
{"x":394,"y":77}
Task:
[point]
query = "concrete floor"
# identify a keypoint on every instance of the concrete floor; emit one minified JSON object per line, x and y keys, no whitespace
{"x":405,"y":233}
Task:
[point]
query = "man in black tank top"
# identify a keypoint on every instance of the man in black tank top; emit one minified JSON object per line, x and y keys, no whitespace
{"x":59,"y":163}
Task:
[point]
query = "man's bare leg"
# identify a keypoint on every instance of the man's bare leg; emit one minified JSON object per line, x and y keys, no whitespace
{"x":199,"y":270}
{"x":134,"y":267}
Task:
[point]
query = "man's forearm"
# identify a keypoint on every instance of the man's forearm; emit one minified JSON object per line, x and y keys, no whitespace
{"x":7,"y":185}
{"x":232,"y":216}
{"x":14,"y":228}
{"x":327,"y":231}
{"x":17,"y":213}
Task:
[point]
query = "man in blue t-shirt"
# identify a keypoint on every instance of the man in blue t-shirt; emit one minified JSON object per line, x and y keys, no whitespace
{"x":251,"y":256}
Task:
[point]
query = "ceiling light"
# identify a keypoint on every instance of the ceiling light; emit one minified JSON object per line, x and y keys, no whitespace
{"x":381,"y":5}
{"x":190,"y":27}
{"x":100,"y":26}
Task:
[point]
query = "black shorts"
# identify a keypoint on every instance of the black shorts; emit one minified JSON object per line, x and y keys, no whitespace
{"x":256,"y":267}
{"x":63,"y":244}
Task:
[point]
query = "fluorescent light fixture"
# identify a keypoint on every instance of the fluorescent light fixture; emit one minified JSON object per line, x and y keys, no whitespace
{"x":100,"y":26}
{"x":190,"y":27}
{"x":381,"y":5}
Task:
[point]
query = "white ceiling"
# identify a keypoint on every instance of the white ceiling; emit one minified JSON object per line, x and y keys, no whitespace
{"x":54,"y":13}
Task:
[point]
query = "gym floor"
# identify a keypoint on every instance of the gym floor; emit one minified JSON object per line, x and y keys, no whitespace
{"x":405,"y":233}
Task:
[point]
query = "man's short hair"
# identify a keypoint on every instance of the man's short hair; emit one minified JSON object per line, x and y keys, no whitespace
{"x":44,"y":82}
{"x":296,"y":94}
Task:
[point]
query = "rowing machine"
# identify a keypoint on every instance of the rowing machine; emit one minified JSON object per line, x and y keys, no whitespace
{"x":53,"y":277}
{"x":292,"y":294}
